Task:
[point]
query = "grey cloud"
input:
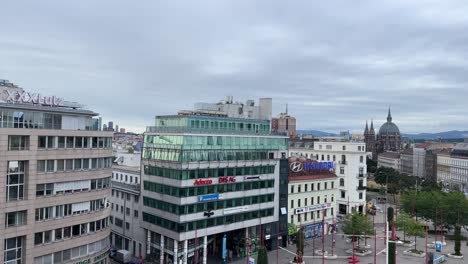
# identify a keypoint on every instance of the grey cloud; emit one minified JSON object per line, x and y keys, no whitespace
{"x":336,"y":63}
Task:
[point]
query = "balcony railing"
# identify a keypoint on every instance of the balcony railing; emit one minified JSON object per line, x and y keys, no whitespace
{"x":342,"y":162}
{"x":361,"y":188}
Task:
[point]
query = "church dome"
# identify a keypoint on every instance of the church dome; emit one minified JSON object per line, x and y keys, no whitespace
{"x":389,"y":128}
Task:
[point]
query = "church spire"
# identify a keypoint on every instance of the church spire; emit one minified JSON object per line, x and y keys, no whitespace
{"x":389,"y":117}
{"x":372,"y":125}
{"x":367,"y":128}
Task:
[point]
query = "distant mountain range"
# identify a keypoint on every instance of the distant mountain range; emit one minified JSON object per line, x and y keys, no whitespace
{"x":316,"y":133}
{"x":444,"y":135}
{"x":453,"y":134}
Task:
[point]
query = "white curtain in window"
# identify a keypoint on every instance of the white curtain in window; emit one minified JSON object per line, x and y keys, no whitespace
{"x":78,"y":207}
{"x":74,"y":185}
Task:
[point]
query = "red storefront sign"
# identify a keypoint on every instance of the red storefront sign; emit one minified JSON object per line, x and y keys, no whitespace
{"x":226,"y":179}
{"x":202,"y":182}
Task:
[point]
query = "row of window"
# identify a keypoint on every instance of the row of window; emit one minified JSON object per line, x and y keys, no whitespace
{"x":125,"y":195}
{"x":54,"y":142}
{"x":205,"y":223}
{"x":29,"y":119}
{"x":216,"y":188}
{"x":312,"y":187}
{"x":318,"y":215}
{"x":306,"y":200}
{"x":49,"y":189}
{"x":127,"y":210}
{"x":203,"y":155}
{"x":203,"y":207}
{"x":205,"y":142}
{"x":73,"y":164}
{"x":127,"y":179}
{"x":73,"y":253}
{"x":58,"y":234}
{"x":64,"y":210}
{"x":207,"y":173}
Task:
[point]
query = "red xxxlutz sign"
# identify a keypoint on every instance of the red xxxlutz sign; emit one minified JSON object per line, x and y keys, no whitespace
{"x":202,"y":182}
{"x":226,"y":179}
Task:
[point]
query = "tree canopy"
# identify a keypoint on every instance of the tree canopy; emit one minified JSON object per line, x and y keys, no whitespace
{"x":356,"y":224}
{"x":451,"y":207}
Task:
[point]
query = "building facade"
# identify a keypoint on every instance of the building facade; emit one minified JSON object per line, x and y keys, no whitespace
{"x":388,"y":138}
{"x":284,"y":123}
{"x":452,"y":168}
{"x":369,"y":139}
{"x":349,"y":164}
{"x":209,"y":182}
{"x":126,"y":212}
{"x":55,"y":181}
{"x":234,"y":109}
{"x":389,"y":160}
{"x":406,"y":161}
{"x":313,"y":188}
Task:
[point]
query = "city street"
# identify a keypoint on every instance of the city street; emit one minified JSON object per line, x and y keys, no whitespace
{"x":285,"y":255}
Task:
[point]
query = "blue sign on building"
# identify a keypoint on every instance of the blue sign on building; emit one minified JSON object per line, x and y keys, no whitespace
{"x":318,"y":166}
{"x":208,"y":197}
{"x":312,"y":231}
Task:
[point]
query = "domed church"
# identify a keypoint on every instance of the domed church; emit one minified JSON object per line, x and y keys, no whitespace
{"x":388,"y":138}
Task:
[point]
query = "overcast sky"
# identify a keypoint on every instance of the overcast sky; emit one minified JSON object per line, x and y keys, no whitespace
{"x":336,"y":63}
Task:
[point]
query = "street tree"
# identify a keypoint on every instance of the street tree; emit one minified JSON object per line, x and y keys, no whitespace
{"x":403,"y":220}
{"x":450,"y":208}
{"x":357,"y":225}
{"x":299,"y":245}
{"x":457,"y":245}
{"x":416,"y":229}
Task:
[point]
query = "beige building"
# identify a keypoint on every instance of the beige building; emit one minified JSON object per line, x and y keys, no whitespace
{"x":125,"y":204}
{"x":389,"y":160}
{"x":55,"y":180}
{"x":284,"y":123}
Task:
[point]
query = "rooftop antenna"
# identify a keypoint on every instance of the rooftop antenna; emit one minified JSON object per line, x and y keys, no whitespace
{"x":286,"y":108}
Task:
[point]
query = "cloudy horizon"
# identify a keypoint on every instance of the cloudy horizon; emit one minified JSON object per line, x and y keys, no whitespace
{"x":336,"y":63}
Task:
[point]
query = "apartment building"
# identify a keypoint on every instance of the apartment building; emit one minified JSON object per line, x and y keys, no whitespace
{"x":55,"y":180}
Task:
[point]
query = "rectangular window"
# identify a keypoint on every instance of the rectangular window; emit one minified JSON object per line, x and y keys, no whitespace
{"x":18,"y":142}
{"x":292,"y":204}
{"x":70,"y":142}
{"x":42,"y":142}
{"x":15,"y":218}
{"x":61,"y":142}
{"x":50,"y":165}
{"x":50,"y":142}
{"x":15,"y":180}
{"x":13,"y":250}
{"x":60,"y":165}
{"x":41,"y":166}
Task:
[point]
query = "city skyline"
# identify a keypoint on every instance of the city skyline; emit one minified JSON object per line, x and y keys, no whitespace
{"x":335,"y":65}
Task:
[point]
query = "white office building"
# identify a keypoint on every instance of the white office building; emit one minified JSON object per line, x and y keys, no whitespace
{"x":312,"y":191}
{"x":349,"y":164}
{"x":239,"y":109}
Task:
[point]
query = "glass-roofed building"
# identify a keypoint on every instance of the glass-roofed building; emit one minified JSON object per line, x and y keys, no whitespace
{"x":210,"y":182}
